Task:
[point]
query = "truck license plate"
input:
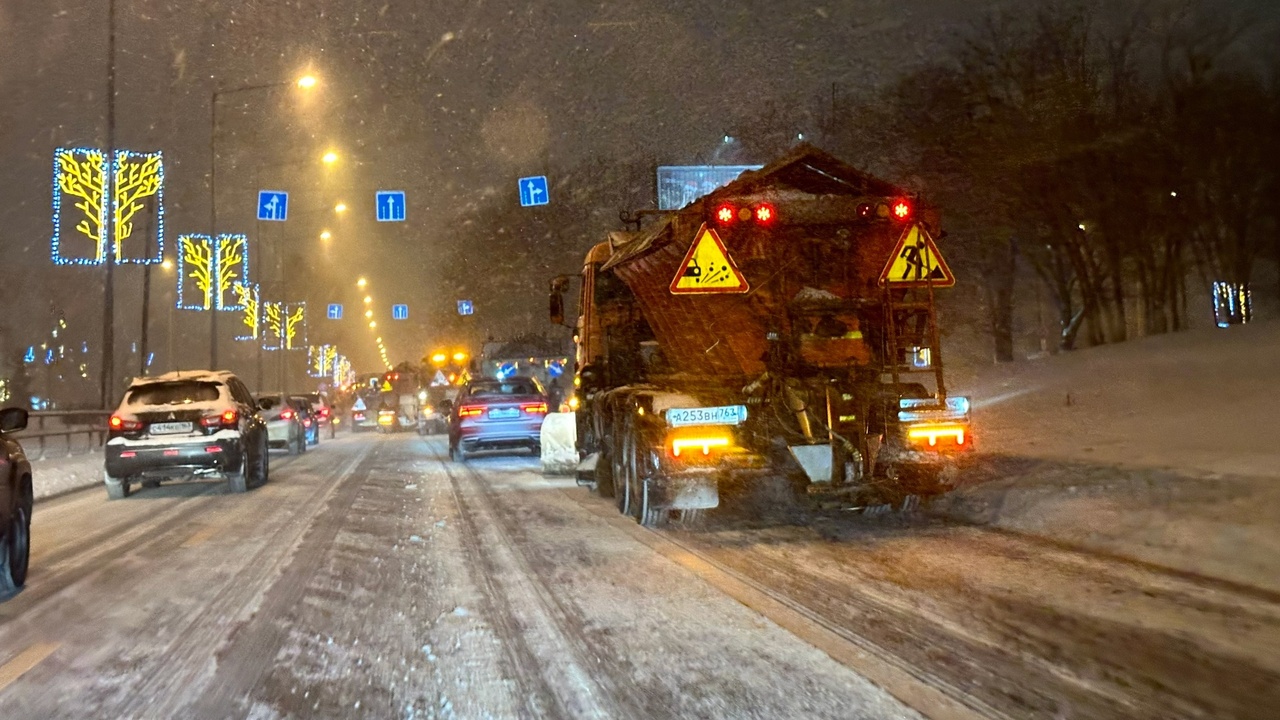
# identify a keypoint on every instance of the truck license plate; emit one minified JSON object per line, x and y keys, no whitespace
{"x":723,"y":415}
{"x":170,"y":428}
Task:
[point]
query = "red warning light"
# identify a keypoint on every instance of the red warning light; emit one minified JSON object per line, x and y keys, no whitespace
{"x":901,"y":209}
{"x":764,"y":213}
{"x":725,"y":214}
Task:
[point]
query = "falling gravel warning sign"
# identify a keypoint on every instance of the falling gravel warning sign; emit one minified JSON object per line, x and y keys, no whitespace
{"x":707,"y":268}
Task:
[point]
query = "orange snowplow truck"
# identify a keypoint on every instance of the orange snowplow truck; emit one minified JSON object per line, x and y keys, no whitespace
{"x":782,"y":326}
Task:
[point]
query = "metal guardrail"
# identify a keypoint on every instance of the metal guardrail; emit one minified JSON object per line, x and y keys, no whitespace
{"x":46,"y":425}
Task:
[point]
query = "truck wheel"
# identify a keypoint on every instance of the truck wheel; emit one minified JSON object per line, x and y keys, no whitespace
{"x":604,"y":473}
{"x":650,"y":515}
{"x":117,"y":488}
{"x":625,"y":478}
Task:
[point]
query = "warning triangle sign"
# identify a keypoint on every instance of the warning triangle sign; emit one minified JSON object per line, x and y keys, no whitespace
{"x":916,"y":262}
{"x":359,"y":404}
{"x":707,"y":268}
{"x":439,"y":379}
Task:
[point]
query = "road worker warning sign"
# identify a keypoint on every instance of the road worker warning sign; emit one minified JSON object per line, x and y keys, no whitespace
{"x":707,"y":268}
{"x":916,"y":262}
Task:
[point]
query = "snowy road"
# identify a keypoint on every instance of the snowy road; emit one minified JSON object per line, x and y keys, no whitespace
{"x":372,"y":578}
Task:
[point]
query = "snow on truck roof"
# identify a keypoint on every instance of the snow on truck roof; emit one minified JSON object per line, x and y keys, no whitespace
{"x":806,"y":170}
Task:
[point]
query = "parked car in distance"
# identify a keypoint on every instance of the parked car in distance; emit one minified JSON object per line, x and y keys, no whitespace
{"x":16,"y":499}
{"x":284,"y":423}
{"x":310,"y":418}
{"x":185,"y":425}
{"x":497,"y":415}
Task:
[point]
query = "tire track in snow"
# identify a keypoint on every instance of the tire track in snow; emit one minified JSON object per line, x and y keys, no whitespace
{"x":501,"y":562}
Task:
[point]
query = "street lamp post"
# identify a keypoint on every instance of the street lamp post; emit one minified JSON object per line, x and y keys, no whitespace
{"x":307,"y":81}
{"x":107,"y":382}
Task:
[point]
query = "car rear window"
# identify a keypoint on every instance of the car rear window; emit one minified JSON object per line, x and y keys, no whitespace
{"x":268,"y":402}
{"x":522,"y":386}
{"x":173,"y":393}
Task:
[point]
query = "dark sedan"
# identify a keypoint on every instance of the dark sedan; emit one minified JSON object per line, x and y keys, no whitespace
{"x":497,"y":415}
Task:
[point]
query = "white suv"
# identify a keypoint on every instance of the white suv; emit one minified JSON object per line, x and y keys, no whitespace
{"x":186,"y":425}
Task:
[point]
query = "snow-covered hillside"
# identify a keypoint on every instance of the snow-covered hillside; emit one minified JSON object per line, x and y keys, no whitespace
{"x":1162,"y":449}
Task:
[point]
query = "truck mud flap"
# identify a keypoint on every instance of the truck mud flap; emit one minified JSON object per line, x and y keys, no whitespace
{"x":689,"y":492}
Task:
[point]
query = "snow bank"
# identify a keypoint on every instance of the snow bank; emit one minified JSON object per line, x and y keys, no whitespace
{"x":559,"y":444}
{"x":59,"y":475}
{"x":1162,"y":449}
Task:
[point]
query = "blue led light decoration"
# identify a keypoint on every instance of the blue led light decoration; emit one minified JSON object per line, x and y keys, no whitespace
{"x":284,"y":325}
{"x":248,"y":296}
{"x":213,"y":269}
{"x":78,"y":237}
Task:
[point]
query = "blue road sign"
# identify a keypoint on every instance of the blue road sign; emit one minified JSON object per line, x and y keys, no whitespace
{"x":399,"y":312}
{"x":335,"y":311}
{"x":465,"y":307}
{"x":273,"y":205}
{"x":533,"y":191}
{"x":390,"y":205}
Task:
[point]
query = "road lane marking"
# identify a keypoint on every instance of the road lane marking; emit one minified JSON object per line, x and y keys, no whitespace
{"x":25,"y":660}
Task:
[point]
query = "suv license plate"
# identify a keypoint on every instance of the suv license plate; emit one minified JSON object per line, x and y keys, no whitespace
{"x":170,"y":428}
{"x":504,"y":414}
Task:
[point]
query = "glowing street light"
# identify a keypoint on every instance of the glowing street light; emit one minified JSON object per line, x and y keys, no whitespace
{"x":307,"y":82}
{"x":368,"y":313}
{"x":340,"y":207}
{"x":459,"y":356}
{"x":330,"y":158}
{"x":367,"y":299}
{"x":373,"y":324}
{"x":439,"y":358}
{"x":167,"y":264}
{"x":326,"y":235}
{"x":361,"y":283}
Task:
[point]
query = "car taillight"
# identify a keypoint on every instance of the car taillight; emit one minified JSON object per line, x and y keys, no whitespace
{"x":539,"y":408}
{"x":324,"y":413}
{"x":306,"y":423}
{"x":470,"y":410}
{"x":286,"y":414}
{"x":118,"y":423}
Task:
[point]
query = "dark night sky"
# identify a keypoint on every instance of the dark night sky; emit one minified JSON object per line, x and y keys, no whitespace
{"x":449,"y":100}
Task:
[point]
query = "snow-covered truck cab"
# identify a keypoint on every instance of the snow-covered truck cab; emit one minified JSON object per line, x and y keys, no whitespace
{"x":785,"y":322}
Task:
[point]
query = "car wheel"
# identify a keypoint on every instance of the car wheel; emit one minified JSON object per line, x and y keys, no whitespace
{"x":17,"y":547}
{"x":150,"y":484}
{"x":117,"y":488}
{"x":238,"y":479}
{"x":457,"y":453}
{"x":295,"y":447}
{"x":260,"y":461}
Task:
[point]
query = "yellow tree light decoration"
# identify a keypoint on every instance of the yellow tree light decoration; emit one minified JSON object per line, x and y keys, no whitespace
{"x":198,"y":262}
{"x":78,"y":173}
{"x":273,"y":317}
{"x":231,"y":257}
{"x":247,"y":297}
{"x":138,"y":177}
{"x":293,"y":323}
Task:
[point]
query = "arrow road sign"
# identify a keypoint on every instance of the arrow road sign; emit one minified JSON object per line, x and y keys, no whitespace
{"x":390,"y":205}
{"x":465,"y":307}
{"x":399,"y":312}
{"x":335,"y":311}
{"x":533,"y":191}
{"x":273,"y":205}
